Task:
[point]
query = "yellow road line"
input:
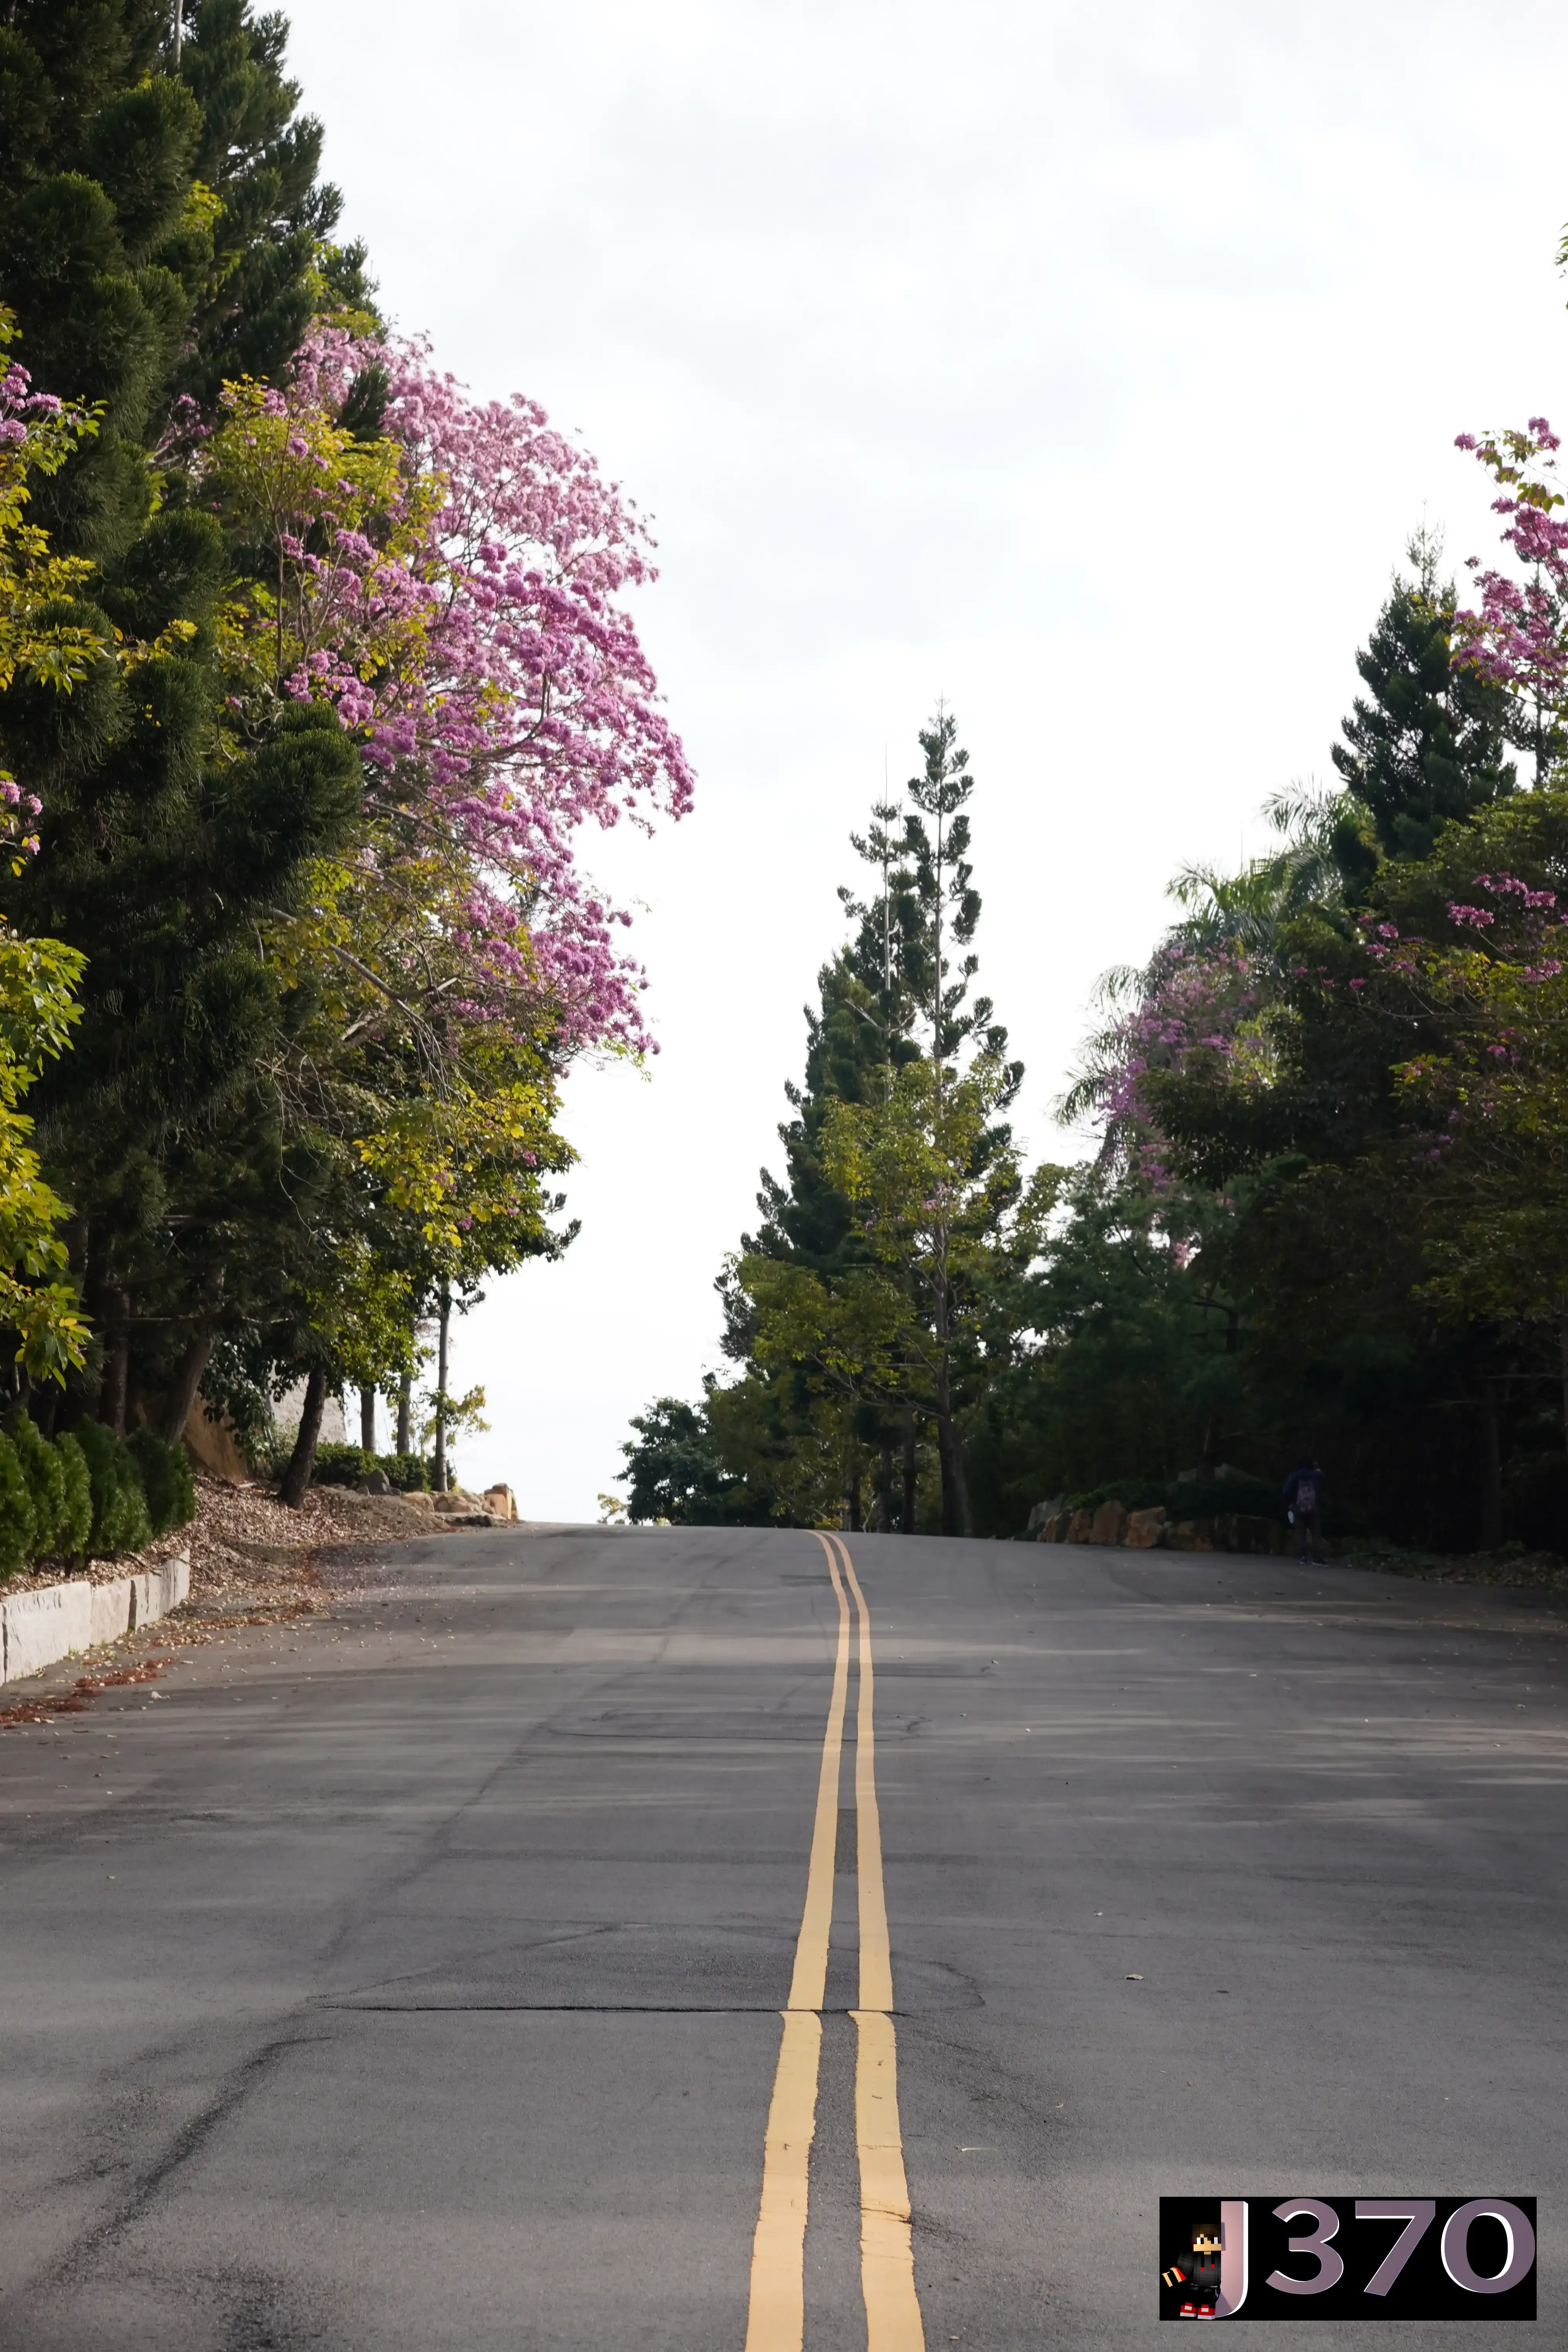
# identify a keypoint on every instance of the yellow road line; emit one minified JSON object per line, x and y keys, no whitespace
{"x":777,"y":2317}
{"x":875,"y":1960}
{"x":811,"y":1950}
{"x":887,"y":2250}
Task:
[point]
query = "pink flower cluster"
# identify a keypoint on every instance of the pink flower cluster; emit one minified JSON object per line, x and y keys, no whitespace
{"x":20,"y":406}
{"x":1195,"y":1005}
{"x":1518,"y":635}
{"x":1509,"y":886}
{"x":1517,"y":898}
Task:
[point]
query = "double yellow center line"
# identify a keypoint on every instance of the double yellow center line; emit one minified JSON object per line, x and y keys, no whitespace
{"x":776,"y":2322}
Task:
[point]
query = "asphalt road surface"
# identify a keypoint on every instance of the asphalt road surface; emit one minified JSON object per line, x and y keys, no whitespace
{"x":414,"y":1979}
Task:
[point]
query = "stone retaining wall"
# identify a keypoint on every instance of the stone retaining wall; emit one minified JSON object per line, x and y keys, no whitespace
{"x":54,"y":1619}
{"x":1154,"y":1530}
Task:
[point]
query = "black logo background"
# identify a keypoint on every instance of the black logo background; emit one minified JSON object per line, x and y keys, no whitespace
{"x":1423,"y":2289}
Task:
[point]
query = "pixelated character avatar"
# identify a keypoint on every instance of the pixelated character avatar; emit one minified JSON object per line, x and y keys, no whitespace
{"x":1200,"y":2272}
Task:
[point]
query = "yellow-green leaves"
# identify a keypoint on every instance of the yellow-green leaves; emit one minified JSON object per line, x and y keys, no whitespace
{"x":37,"y":1011}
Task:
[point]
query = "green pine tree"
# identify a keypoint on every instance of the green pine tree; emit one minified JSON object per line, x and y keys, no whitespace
{"x":165,"y":229}
{"x":1427,"y":742}
{"x":897,"y":994}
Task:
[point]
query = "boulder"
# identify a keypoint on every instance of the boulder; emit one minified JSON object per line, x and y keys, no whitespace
{"x":1192,"y":1535}
{"x":456,"y":1502}
{"x":376,"y":1483}
{"x":500,"y":1502}
{"x":1077,"y":1528}
{"x":1108,"y":1523}
{"x":1145,"y":1528}
{"x":1041,"y":1513}
{"x":213,"y":1445}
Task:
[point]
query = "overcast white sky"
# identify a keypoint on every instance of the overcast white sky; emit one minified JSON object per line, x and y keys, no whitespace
{"x":1088,"y":367}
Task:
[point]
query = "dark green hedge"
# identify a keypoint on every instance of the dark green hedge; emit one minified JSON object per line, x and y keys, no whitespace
{"x":87,"y":1495}
{"x":346,"y":1465}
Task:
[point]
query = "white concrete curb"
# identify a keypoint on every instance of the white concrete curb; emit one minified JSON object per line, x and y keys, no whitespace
{"x":38,"y":1627}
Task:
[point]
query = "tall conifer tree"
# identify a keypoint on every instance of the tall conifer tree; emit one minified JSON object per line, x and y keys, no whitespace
{"x":165,"y":229}
{"x":895,"y":1000}
{"x":1429,"y":742}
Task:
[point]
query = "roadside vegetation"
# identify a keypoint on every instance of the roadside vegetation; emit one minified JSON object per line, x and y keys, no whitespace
{"x":1328,"y":1206}
{"x":314,"y":674}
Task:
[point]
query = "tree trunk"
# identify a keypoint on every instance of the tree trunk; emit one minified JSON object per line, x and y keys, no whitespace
{"x":1491,"y":1491}
{"x":182,"y":1397}
{"x":48,"y":1406}
{"x":302,"y":1461}
{"x":852,"y":1506}
{"x":1562,"y":1357}
{"x":367,"y":1419}
{"x":907,"y":1519}
{"x":961,"y":1483}
{"x":405,"y":1415}
{"x":944,"y":1468}
{"x":957,"y":1518}
{"x":885,"y":1489}
{"x":111,"y":1394}
{"x":444,"y":1329}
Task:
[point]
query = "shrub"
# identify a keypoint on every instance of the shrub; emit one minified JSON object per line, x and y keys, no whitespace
{"x":120,"y":1518}
{"x":16,"y":1512}
{"x":44,"y":1475}
{"x":166,"y":1480}
{"x":346,"y":1465}
{"x":409,"y":1474}
{"x":74,"y":1526}
{"x":1535,"y":1502}
{"x":341,"y":1465}
{"x":1133,"y":1494}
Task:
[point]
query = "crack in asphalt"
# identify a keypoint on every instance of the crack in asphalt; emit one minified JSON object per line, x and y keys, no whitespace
{"x":186,"y":2144}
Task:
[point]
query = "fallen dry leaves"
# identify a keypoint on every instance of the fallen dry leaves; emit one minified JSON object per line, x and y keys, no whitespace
{"x":81,"y":1694}
{"x":250,"y":1553}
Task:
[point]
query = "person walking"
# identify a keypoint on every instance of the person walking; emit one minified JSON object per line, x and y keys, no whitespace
{"x":1304,"y":1501}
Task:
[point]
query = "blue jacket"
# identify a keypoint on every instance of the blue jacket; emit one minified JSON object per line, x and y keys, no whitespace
{"x":1308,"y":1470}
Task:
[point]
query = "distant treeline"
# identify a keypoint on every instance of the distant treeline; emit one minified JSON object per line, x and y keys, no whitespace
{"x":1329,"y":1208}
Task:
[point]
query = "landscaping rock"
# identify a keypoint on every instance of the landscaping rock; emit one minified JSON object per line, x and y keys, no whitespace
{"x":1078,"y":1526}
{"x":1192,"y":1535}
{"x":1108,"y":1523}
{"x":1144,"y":1530}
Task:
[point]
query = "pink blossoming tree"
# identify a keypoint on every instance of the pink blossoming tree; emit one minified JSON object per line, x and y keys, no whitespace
{"x":1516,"y":635}
{"x":450,"y":582}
